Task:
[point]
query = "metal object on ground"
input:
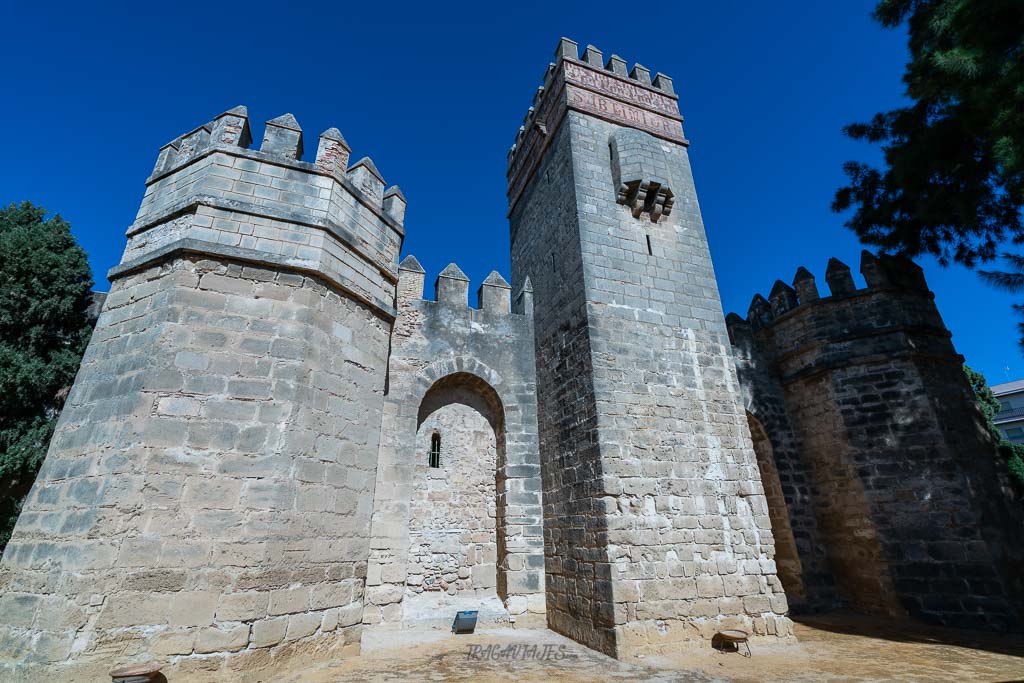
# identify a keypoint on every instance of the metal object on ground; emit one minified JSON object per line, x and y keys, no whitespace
{"x":731,"y":637}
{"x":465,"y":622}
{"x":135,"y":673}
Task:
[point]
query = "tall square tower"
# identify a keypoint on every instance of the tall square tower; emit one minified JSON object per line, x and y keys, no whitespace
{"x":656,"y":525}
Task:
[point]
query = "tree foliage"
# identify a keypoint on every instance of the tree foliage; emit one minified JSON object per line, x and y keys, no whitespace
{"x":1012,"y":281}
{"x":1012,"y":454}
{"x":45,"y":284}
{"x":953,"y":179}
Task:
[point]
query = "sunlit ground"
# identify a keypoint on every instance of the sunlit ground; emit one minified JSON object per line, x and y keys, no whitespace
{"x":833,"y":647}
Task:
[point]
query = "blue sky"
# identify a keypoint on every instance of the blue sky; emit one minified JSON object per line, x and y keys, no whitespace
{"x":434,"y":93}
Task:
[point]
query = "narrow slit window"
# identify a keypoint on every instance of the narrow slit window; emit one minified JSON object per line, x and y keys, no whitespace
{"x":650,"y":250}
{"x":435,"y":450}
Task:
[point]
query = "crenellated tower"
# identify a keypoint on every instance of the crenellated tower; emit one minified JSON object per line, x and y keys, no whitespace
{"x":656,"y":524}
{"x":206,"y":498}
{"x":886,"y":480}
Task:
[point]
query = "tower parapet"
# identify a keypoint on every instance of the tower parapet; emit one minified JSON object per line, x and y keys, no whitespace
{"x":451,"y":289}
{"x":606,"y":91}
{"x":884,"y":459}
{"x":206,"y":497}
{"x":629,"y":337}
{"x":210,"y":193}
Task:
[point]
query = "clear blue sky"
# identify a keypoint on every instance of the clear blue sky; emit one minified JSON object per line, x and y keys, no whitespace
{"x":434,"y":93}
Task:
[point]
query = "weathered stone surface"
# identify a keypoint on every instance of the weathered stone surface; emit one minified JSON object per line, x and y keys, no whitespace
{"x":644,"y":443}
{"x":466,"y":375}
{"x":239,"y":356}
{"x":885,"y":476}
{"x":243,"y":471}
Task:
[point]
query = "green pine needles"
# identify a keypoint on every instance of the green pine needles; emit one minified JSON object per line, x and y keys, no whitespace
{"x":45,"y":284}
{"x":952,"y":182}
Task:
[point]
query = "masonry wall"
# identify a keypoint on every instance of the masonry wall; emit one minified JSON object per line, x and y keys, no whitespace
{"x":206,"y":499}
{"x":447,"y":357}
{"x":546,"y":248}
{"x":765,"y":402}
{"x":664,"y":495}
{"x":453,"y":507}
{"x":909,"y":502}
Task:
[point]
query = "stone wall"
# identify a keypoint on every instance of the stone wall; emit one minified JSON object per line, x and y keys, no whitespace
{"x":658,"y":526}
{"x":466,"y":372}
{"x":206,"y":498}
{"x":911,"y":510}
{"x":453,"y":509}
{"x":766,"y":409}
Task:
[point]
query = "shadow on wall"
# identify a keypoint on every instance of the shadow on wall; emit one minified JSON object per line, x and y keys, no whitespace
{"x":787,"y":559}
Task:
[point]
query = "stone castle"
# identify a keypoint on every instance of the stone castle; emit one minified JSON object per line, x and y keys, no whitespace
{"x":275,"y":442}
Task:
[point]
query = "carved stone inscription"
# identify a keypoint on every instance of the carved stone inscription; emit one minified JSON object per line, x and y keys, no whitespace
{"x":595,"y":80}
{"x":608,"y":108}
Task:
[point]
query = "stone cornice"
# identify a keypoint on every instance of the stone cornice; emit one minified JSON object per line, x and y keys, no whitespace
{"x":241,"y":254}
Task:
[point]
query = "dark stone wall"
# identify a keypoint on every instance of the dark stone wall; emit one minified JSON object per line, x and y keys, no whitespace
{"x":913,"y":514}
{"x":766,"y":404}
{"x":546,"y":248}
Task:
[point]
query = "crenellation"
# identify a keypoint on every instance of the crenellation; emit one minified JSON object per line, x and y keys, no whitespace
{"x":782,"y":298}
{"x":845,"y":390}
{"x":839,"y":279}
{"x":268,"y":206}
{"x":663,"y":82}
{"x":617,"y":65}
{"x":452,"y":287}
{"x":495,"y":295}
{"x":806,"y":289}
{"x":593,"y":56}
{"x":275,"y":442}
{"x":332,"y":152}
{"x":567,"y":49}
{"x":367,"y":178}
{"x":283,"y":137}
{"x":872,"y":270}
{"x":641,"y":74}
{"x":523,"y":304}
{"x":760,"y":311}
{"x":394,"y":203}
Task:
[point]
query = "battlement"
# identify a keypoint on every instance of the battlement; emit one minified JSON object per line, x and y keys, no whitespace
{"x":451,"y":288}
{"x":209,"y":192}
{"x":589,"y":84}
{"x":881,"y":272}
{"x":804,"y":331}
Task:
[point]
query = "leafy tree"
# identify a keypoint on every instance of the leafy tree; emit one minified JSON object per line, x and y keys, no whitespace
{"x":1011,"y":453}
{"x":45,"y":282}
{"x":953,"y":182}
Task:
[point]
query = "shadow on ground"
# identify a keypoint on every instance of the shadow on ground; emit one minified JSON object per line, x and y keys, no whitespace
{"x":910,"y":631}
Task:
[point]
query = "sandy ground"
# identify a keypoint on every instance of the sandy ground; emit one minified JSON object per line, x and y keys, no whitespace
{"x":846,"y":647}
{"x":833,"y":648}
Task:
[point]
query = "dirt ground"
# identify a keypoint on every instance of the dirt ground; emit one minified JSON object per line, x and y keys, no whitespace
{"x":833,"y":648}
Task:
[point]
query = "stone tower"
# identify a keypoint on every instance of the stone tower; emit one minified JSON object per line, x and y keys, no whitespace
{"x":888,"y":494}
{"x":206,"y":498}
{"x":656,"y":524}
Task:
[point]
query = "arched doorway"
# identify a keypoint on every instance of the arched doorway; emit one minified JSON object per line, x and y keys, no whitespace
{"x":787,"y":561}
{"x":456,"y":495}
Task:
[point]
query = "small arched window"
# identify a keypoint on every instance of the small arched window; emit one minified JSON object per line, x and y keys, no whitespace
{"x":435,"y":450}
